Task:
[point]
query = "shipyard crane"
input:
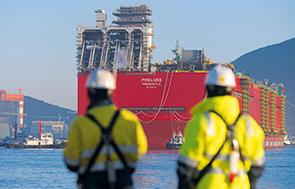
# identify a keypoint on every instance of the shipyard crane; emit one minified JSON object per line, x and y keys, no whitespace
{"x":19,"y":89}
{"x":59,"y":117}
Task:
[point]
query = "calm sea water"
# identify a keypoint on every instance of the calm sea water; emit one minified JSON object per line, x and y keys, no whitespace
{"x":29,"y":168}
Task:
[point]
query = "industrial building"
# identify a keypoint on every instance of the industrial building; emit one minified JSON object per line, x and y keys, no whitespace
{"x":11,"y":112}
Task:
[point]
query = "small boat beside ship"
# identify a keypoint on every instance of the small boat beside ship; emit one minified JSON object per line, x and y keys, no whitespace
{"x":288,"y":141}
{"x":45,"y":140}
{"x":19,"y":138}
{"x":176,"y":141}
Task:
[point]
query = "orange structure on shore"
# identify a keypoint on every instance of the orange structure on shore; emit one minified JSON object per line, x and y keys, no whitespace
{"x":4,"y":96}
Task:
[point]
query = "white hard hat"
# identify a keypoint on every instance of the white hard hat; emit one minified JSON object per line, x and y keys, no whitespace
{"x":101,"y":79}
{"x":221,"y":76}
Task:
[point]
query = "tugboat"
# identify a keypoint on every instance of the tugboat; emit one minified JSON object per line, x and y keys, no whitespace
{"x":18,"y":139}
{"x":288,"y":141}
{"x":45,"y":140}
{"x":176,"y":141}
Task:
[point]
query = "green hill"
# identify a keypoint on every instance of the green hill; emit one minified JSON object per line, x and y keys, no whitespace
{"x":35,"y":110}
{"x":276,"y":63}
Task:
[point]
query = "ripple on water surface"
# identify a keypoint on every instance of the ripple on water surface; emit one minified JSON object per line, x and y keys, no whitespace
{"x":44,"y":168}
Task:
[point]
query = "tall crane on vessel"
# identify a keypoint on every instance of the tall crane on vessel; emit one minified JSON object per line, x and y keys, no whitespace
{"x":177,"y":53}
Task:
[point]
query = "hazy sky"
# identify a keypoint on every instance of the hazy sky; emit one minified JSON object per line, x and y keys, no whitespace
{"x":38,"y":38}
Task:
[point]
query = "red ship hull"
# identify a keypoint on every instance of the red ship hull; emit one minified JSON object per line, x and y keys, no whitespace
{"x":162,"y":101}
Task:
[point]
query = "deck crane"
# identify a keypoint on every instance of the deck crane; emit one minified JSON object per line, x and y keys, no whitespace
{"x":177,"y":53}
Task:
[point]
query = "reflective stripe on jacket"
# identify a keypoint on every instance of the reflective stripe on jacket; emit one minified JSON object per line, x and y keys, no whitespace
{"x":85,"y":136}
{"x":206,"y":132}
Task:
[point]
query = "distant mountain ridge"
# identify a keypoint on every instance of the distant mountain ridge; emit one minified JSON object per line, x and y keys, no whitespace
{"x":276,"y":63}
{"x":35,"y":110}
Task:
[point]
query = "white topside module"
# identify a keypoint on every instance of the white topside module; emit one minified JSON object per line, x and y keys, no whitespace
{"x":132,"y":32}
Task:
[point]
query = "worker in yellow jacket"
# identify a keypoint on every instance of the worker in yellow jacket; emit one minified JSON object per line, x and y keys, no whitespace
{"x":222,"y":149}
{"x":104,"y":145}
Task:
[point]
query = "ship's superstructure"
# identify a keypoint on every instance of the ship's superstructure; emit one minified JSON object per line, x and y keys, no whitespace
{"x":161,"y":95}
{"x":265,"y":102}
{"x":131,"y":33}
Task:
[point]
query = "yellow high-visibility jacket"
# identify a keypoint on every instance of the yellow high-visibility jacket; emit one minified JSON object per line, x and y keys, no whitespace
{"x":205,"y":134}
{"x":85,"y":136}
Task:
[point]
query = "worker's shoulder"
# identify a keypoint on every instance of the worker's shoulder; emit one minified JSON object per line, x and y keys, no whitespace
{"x":78,"y":122}
{"x":79,"y":119}
{"x":251,"y":124}
{"x":198,"y":119}
{"x":248,"y":119}
{"x":126,"y":114}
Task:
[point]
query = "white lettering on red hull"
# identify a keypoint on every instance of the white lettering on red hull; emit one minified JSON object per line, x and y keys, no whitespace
{"x":151,"y":82}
